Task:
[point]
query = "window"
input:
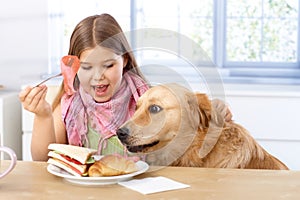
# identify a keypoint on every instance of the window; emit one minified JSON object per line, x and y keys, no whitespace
{"x":249,"y":41}
{"x":262,"y":39}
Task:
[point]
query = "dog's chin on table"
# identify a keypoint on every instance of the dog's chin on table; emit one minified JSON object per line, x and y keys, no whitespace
{"x":175,"y":126}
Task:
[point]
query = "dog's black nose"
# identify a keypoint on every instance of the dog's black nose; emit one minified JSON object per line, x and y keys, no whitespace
{"x":123,"y":133}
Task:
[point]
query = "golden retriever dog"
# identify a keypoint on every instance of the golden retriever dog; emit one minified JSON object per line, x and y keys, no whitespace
{"x":175,"y":126}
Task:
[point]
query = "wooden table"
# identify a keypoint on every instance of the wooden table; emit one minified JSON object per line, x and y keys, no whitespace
{"x":30,"y":180}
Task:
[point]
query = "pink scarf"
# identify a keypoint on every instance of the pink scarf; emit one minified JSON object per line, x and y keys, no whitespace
{"x":80,"y":109}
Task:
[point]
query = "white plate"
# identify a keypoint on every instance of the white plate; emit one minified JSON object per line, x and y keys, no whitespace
{"x":92,"y":181}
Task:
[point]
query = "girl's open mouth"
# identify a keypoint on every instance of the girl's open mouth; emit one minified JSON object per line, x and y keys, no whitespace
{"x":100,"y":90}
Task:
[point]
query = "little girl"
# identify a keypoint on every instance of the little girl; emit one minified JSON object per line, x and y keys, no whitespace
{"x":107,"y":86}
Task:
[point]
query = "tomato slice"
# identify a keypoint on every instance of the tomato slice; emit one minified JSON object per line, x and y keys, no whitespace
{"x":71,"y":159}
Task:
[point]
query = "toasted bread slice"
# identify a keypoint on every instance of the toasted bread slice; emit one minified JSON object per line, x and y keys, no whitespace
{"x":81,"y":154}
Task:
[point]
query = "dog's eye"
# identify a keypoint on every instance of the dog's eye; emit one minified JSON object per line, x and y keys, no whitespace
{"x":154,"y":109}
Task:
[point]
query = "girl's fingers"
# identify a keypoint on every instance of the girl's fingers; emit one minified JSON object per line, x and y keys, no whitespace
{"x":42,"y":97}
{"x":228,"y":116}
{"x":23,"y":94}
{"x":31,"y":95}
{"x":31,"y":99}
{"x":35,"y":100}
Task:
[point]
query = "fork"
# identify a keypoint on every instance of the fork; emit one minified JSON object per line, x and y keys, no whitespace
{"x":51,"y":77}
{"x":69,"y":64}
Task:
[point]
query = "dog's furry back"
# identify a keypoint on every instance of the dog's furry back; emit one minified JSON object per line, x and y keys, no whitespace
{"x":229,"y":144}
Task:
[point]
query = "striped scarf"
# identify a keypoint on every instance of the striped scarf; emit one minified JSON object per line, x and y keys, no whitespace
{"x":105,"y":118}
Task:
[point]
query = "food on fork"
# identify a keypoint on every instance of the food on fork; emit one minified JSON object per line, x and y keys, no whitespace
{"x":112,"y":165}
{"x":69,"y":67}
{"x":73,"y":159}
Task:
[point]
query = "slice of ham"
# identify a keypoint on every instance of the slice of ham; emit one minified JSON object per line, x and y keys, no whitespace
{"x":69,"y":66}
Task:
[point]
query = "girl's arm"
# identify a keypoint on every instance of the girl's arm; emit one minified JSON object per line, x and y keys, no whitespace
{"x":47,"y":130}
{"x":48,"y":127}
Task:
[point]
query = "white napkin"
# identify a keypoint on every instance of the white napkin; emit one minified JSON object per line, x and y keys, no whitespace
{"x":153,"y":185}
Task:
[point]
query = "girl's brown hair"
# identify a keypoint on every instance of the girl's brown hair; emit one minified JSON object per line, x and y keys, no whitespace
{"x":102,"y":30}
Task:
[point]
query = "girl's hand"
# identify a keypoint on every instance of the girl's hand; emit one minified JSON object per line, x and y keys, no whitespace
{"x":223,"y":108}
{"x":33,"y":99}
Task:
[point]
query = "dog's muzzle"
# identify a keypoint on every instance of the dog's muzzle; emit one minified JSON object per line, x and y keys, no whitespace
{"x":124,"y":136}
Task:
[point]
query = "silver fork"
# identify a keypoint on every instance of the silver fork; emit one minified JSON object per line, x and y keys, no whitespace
{"x":69,"y":64}
{"x":51,"y":77}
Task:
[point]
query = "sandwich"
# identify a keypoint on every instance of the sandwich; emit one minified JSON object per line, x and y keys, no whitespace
{"x":73,"y":159}
{"x":112,"y":165}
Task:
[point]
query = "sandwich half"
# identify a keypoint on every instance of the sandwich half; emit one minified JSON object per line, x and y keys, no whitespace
{"x":73,"y":159}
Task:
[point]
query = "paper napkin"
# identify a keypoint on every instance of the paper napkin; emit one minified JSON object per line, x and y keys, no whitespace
{"x":153,"y":184}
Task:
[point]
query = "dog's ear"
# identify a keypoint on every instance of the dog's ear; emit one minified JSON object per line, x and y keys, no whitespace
{"x":204,"y":109}
{"x":192,"y":109}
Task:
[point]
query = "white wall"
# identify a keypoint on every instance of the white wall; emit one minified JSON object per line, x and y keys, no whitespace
{"x":24,"y":41}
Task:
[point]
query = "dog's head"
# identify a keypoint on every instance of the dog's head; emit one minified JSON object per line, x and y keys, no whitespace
{"x":167,"y":117}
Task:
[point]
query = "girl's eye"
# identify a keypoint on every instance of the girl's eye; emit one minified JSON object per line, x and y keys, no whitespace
{"x":108,"y":66}
{"x":86,"y":67}
{"x":154,"y":109}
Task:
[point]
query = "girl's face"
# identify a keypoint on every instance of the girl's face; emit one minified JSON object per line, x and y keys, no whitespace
{"x":100,"y":72}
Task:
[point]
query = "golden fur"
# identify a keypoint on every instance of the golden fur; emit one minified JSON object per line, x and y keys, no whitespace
{"x":174,"y":126}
